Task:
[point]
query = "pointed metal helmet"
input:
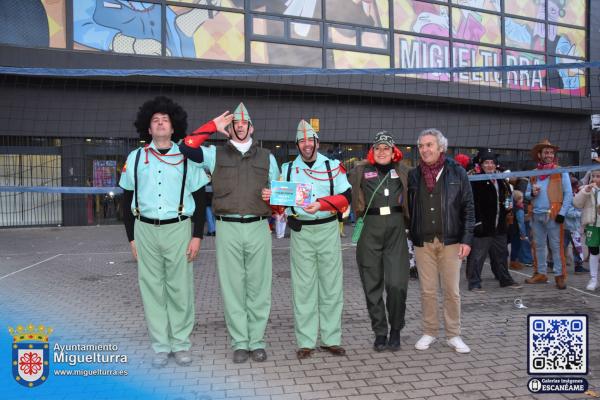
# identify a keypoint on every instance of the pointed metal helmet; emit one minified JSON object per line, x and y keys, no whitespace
{"x":241,"y":114}
{"x":305,"y":131}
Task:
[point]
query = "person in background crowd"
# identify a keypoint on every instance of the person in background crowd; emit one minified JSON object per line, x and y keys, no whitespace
{"x":493,"y":200}
{"x":520,"y":231}
{"x":463,"y":160}
{"x":572,"y":239}
{"x":551,"y":196}
{"x":588,"y":200}
{"x":586,"y":180}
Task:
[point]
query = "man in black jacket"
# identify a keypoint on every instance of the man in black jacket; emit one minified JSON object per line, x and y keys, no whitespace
{"x":492,"y":199}
{"x":441,"y":227}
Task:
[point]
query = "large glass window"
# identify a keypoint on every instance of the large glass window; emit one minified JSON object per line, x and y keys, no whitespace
{"x":468,"y":55}
{"x":339,"y":35}
{"x":207,"y":34}
{"x":218,"y":3}
{"x":476,"y":26}
{"x":55,"y":14}
{"x":326,"y":33}
{"x":268,"y":27}
{"x":296,"y":8}
{"x":285,"y":54}
{"x":421,"y":52}
{"x":374,"y":39}
{"x":361,"y":37}
{"x":567,"y":42}
{"x":131,"y":27}
{"x":566,"y":81}
{"x":567,"y":11}
{"x":420,"y":17}
{"x":286,"y":29}
{"x":525,"y":79}
{"x":342,"y":59}
{"x":530,"y":8}
{"x":302,"y":30}
{"x":524,"y":34}
{"x":492,"y":5}
{"x":374,"y":13}
{"x":33,"y":23}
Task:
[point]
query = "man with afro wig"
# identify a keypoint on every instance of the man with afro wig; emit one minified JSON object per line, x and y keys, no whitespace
{"x":164,"y":193}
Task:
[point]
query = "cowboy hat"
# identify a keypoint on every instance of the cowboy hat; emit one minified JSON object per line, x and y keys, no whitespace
{"x":540,"y":146}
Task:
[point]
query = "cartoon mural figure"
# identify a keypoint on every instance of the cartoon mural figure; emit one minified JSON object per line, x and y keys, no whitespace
{"x":431,"y":23}
{"x":362,"y":12}
{"x":290,"y":8}
{"x":557,"y":44}
{"x":23,"y":23}
{"x":560,"y":45}
{"x":301,"y":8}
{"x":471,"y":26}
{"x":135,"y":27}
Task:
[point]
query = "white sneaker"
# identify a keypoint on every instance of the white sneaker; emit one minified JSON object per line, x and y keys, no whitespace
{"x":458,"y":345}
{"x":592,"y":284}
{"x":425,"y":342}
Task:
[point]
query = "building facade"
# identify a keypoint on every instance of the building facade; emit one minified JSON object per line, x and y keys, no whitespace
{"x":64,"y":130}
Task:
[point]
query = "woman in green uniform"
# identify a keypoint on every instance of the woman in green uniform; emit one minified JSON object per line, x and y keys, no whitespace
{"x":379,"y":187}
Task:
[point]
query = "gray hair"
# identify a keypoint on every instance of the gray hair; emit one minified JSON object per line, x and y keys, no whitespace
{"x":441,"y":139}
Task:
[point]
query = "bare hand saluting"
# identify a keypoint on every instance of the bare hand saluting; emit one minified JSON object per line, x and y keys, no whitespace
{"x":223,"y":121}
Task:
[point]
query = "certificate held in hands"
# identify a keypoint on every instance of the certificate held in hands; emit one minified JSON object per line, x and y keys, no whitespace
{"x":290,"y":194}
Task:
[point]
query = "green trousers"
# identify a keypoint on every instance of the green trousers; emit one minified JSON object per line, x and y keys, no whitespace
{"x":245,"y":273}
{"x":383,"y":262}
{"x":317,"y":284}
{"x":166,"y":282}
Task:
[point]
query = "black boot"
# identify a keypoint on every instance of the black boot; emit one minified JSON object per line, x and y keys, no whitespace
{"x":380,"y":343}
{"x":394,"y":342}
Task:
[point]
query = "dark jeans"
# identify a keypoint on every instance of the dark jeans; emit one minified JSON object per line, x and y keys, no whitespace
{"x":520,"y":250}
{"x":496,"y":248}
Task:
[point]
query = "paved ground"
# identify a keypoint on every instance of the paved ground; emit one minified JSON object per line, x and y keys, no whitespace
{"x":82,"y":282}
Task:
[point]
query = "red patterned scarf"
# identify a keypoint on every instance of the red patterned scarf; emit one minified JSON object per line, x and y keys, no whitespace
{"x":545,"y":166}
{"x":430,"y":172}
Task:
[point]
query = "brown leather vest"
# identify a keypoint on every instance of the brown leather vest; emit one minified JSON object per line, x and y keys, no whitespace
{"x":239,"y":179}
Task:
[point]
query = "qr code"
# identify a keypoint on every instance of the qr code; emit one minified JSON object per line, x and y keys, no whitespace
{"x":557,"y":344}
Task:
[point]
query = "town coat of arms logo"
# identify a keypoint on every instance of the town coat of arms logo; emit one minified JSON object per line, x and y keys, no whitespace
{"x":30,"y":354}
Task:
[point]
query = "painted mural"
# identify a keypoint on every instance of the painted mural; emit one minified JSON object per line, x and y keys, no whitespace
{"x":372,"y":13}
{"x":356,"y":30}
{"x":134,"y":27}
{"x":565,"y":44}
{"x":33,"y":23}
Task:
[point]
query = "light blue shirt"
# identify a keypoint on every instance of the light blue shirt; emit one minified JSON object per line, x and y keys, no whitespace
{"x":159,"y":184}
{"x":320,"y":183}
{"x":541,"y":203}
